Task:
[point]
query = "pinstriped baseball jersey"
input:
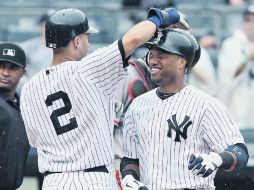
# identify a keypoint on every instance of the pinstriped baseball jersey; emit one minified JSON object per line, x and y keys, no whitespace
{"x":162,"y":134}
{"x":68,"y":111}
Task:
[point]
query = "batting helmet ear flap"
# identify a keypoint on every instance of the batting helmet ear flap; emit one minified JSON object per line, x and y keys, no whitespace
{"x":197,"y":56}
{"x":197,"y":49}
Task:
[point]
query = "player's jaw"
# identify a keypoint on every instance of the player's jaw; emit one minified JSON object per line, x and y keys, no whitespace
{"x":158,"y":74}
{"x":164,"y":74}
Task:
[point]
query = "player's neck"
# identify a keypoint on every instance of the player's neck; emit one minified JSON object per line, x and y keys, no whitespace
{"x":61,"y":59}
{"x":172,"y":88}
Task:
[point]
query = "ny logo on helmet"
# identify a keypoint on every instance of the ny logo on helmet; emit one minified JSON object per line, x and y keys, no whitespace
{"x":159,"y":35}
{"x":177,"y":128}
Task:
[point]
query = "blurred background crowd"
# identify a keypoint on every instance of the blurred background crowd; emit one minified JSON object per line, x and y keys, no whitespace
{"x":224,"y":28}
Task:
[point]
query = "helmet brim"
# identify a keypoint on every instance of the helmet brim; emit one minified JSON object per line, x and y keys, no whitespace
{"x":151,"y":45}
{"x":148,"y":45}
{"x":91,"y":30}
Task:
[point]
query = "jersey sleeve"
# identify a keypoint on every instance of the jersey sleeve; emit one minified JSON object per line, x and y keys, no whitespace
{"x":104,"y":67}
{"x":220,"y":130}
{"x":130,"y":137}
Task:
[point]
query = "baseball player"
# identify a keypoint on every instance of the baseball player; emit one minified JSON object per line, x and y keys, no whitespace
{"x":68,"y":108}
{"x":176,"y":136}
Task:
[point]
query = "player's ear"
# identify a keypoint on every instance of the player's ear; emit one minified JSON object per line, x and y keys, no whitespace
{"x":76,"y":42}
{"x":182,"y":63}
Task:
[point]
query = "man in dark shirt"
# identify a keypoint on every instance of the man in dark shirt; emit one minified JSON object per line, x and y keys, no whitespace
{"x":14,"y":144}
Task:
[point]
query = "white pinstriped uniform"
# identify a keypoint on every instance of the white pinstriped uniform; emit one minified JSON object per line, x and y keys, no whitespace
{"x":151,"y":134}
{"x":68,"y":111}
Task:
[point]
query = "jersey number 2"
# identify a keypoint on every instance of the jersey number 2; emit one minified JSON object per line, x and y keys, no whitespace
{"x":61,"y":111}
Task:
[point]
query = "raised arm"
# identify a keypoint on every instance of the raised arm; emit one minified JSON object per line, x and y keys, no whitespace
{"x":138,"y":35}
{"x":144,"y":30}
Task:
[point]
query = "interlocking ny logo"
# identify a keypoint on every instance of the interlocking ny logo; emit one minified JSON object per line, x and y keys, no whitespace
{"x":172,"y":124}
{"x":159,"y":35}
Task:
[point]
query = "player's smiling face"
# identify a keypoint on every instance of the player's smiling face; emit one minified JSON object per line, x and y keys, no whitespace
{"x":164,"y":67}
{"x":10,"y":75}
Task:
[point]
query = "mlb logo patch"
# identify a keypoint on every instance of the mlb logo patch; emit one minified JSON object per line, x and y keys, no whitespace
{"x":10,"y":52}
